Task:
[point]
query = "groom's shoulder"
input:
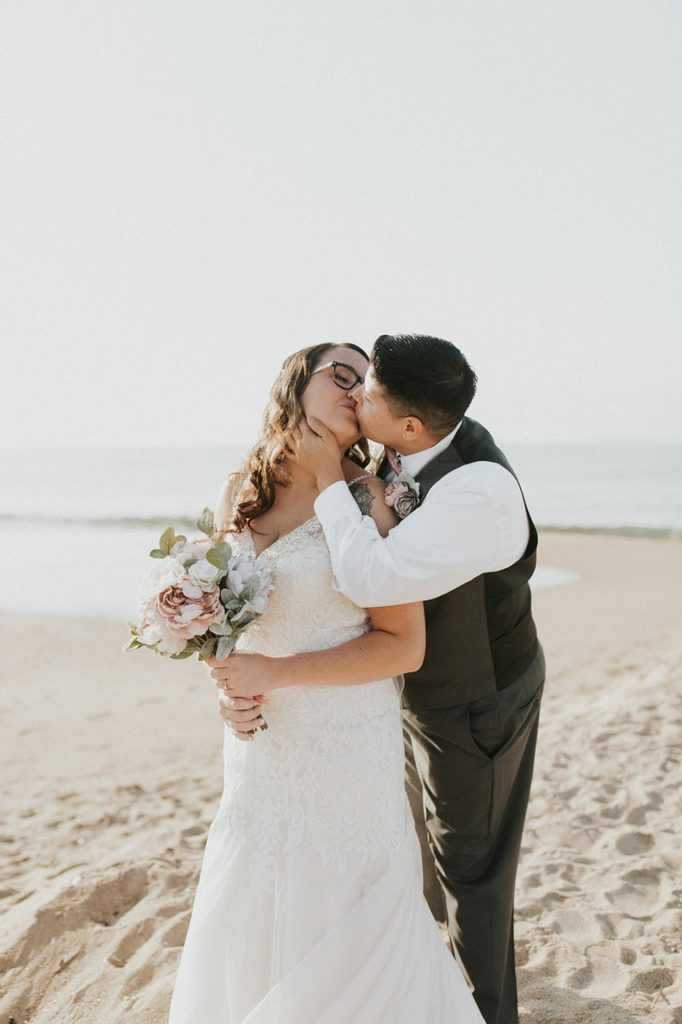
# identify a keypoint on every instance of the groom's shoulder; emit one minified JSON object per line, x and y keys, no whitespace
{"x":473,"y":436}
{"x":484,"y":467}
{"x":485,"y":489}
{"x":481,"y":475}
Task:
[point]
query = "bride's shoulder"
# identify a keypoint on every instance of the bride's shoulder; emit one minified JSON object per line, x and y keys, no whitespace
{"x":368,"y":491}
{"x":226,"y":500}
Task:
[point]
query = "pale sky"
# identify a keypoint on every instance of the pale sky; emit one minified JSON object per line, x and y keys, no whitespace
{"x":191,"y":190}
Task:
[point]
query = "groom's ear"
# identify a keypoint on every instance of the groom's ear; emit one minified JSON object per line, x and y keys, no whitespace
{"x":413,"y":428}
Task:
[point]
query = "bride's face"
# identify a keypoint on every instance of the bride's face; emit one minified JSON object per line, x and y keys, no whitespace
{"x":329,"y":403}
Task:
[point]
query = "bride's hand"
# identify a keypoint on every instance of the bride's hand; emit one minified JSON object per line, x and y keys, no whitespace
{"x":246,"y":675}
{"x":242,"y":714}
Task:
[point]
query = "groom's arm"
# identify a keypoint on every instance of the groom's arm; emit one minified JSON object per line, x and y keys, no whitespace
{"x":473,"y":521}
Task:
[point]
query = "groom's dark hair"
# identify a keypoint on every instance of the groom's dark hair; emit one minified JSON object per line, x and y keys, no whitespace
{"x":425,"y":377}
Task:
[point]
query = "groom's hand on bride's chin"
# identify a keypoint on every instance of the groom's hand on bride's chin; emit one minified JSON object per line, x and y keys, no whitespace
{"x":314,"y":447}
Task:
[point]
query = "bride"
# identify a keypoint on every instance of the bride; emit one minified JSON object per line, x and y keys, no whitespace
{"x":309,"y":906}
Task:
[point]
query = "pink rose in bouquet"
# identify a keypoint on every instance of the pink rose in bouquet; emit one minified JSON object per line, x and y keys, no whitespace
{"x":189,"y":610}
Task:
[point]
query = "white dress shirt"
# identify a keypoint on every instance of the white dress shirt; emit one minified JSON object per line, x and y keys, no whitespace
{"x":412,"y":464}
{"x":473,"y":520}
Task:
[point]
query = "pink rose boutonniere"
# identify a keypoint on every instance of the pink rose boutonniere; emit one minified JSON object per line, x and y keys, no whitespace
{"x":402,"y":495}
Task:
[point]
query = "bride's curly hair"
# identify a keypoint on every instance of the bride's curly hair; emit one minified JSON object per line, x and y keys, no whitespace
{"x":252,"y":486}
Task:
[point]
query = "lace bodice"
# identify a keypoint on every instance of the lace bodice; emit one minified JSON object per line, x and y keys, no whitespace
{"x":305,"y":613}
{"x":320,"y":739}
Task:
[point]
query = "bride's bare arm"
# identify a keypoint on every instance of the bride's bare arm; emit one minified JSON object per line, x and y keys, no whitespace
{"x":226,"y":500}
{"x":395,"y":644}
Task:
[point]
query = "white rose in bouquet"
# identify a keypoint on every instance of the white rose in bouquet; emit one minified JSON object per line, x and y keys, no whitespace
{"x":204,"y":575}
{"x":190,"y":550}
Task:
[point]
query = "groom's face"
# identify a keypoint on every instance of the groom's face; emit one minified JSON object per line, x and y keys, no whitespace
{"x":376,"y":420}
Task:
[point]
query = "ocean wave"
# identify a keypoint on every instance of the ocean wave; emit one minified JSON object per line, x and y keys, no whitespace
{"x":190,"y":523}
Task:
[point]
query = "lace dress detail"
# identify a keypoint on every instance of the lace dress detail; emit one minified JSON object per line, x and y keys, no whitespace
{"x":309,"y":906}
{"x":321,"y":740}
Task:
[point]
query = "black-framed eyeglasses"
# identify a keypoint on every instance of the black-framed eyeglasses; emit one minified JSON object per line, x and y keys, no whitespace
{"x":343,"y":375}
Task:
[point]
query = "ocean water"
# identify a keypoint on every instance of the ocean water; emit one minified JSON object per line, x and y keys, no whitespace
{"x":78,"y":523}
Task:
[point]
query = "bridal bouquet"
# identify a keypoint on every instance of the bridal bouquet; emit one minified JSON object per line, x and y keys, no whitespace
{"x":199,"y":597}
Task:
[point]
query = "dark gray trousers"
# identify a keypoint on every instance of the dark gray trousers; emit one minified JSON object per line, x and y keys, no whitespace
{"x":468,"y":776}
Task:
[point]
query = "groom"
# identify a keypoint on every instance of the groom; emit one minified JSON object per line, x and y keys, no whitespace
{"x":470,"y":712}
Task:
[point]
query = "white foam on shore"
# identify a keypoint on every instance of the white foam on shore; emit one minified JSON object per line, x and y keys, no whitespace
{"x":551,"y":576}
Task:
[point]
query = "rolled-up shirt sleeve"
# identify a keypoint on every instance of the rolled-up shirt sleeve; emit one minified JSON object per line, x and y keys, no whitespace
{"x":472,"y":521}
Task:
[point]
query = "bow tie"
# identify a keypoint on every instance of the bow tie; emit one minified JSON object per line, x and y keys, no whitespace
{"x":394,"y":460}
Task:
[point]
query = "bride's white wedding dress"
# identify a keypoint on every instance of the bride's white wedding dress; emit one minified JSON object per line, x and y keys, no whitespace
{"x":309,"y":906}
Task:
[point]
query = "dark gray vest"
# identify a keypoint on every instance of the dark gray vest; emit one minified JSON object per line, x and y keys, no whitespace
{"x":481,"y":636}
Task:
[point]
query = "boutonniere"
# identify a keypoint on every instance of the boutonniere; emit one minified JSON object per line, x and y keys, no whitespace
{"x":402,"y":495}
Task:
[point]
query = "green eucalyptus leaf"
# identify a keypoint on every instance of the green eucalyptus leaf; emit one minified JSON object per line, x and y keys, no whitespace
{"x":205,"y":522}
{"x":183,"y":654}
{"x":157,"y":553}
{"x":250,"y":590}
{"x":219,"y":556}
{"x":225,"y":647}
{"x":213,"y":556}
{"x":220,"y":629}
{"x":166,"y":540}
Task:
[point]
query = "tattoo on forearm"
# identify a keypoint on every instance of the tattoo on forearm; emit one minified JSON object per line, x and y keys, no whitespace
{"x":364,"y":498}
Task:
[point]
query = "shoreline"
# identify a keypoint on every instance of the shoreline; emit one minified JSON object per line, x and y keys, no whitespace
{"x":655,"y":532}
{"x":188,"y":522}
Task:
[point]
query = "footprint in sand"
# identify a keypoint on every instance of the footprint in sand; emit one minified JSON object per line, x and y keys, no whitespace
{"x":174,"y":936}
{"x":643,"y":876}
{"x":635,"y":901}
{"x":638,"y":815}
{"x":110,"y":897}
{"x":139,"y":979}
{"x":632,"y":843}
{"x":194,"y":836}
{"x":131,"y":942}
{"x":653,"y":980}
{"x":171,"y":909}
{"x":582,"y":925}
{"x":582,"y":978}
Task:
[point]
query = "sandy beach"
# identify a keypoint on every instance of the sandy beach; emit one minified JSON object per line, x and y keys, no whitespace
{"x":112,"y":772}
